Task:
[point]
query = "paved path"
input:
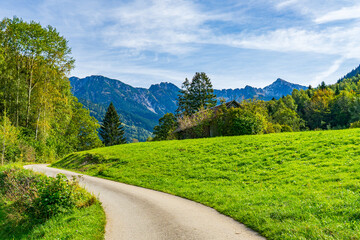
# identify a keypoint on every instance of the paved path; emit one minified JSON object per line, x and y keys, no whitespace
{"x":139,"y":213}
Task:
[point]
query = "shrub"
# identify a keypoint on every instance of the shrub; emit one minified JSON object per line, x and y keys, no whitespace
{"x":277,"y":127}
{"x":242,"y":122}
{"x":286,"y":128}
{"x":355,"y":124}
{"x":41,"y":197}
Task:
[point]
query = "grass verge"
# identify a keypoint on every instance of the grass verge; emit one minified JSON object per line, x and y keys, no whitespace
{"x":33,"y":206}
{"x":285,"y":186}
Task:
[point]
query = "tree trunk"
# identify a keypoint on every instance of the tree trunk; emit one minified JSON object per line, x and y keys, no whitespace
{"x":17,"y":94}
{"x":37,"y":125}
{"x":29,"y":93}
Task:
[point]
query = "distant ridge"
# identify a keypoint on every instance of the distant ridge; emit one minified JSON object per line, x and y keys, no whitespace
{"x":351,"y":74}
{"x":141,"y":108}
{"x":276,"y":90}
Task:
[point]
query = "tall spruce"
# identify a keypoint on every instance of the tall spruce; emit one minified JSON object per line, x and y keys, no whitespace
{"x":195,"y":94}
{"x":111,"y":130}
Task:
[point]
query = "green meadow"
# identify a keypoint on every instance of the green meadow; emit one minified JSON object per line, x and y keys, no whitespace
{"x":303,"y":185}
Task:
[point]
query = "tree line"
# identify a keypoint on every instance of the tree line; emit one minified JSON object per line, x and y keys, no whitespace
{"x":40,"y":119}
{"x":335,"y":106}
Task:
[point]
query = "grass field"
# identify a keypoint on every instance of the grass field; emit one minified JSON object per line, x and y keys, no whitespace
{"x":285,"y":186}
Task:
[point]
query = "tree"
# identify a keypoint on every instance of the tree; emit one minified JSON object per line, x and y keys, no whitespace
{"x":111,"y":130}
{"x":322,"y":86}
{"x":284,"y":113}
{"x":341,"y":108}
{"x":167,"y":124}
{"x":243,"y":121}
{"x":35,"y":91}
{"x":82,"y":130}
{"x":8,"y":136}
{"x":317,"y":110}
{"x":195,"y":94}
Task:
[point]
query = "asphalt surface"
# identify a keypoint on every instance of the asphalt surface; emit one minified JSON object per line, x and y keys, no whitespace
{"x":138,"y":213}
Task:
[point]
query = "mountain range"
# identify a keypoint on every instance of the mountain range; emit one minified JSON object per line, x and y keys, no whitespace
{"x":141,"y":108}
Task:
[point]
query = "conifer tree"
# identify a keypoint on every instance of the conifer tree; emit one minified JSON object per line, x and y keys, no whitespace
{"x":111,"y":130}
{"x":196,"y":94}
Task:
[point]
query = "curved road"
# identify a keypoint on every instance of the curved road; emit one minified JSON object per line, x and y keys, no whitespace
{"x":139,"y":213}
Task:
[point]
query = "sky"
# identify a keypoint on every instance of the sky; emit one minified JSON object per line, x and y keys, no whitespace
{"x":236,"y":43}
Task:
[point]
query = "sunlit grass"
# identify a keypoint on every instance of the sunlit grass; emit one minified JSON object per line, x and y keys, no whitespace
{"x":286,"y":186}
{"x":85,"y":223}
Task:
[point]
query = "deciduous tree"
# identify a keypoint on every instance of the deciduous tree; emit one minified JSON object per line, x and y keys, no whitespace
{"x":167,"y":124}
{"x":8,"y":136}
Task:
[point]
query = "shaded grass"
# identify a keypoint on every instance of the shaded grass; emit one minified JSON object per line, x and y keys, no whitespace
{"x":285,"y":186}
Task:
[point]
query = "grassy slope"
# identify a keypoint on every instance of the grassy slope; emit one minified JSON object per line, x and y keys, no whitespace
{"x":285,"y":186}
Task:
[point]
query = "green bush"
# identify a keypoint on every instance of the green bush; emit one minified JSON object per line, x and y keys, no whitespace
{"x":243,"y":122}
{"x":277,"y":127}
{"x":54,"y":196}
{"x":41,"y":197}
{"x":286,"y":128}
{"x":355,"y":124}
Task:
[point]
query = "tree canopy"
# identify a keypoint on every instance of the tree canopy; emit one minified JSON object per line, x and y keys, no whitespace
{"x":35,"y":91}
{"x":195,"y":94}
{"x":167,"y":124}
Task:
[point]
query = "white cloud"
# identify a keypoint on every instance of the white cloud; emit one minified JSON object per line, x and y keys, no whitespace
{"x":331,"y":41}
{"x":324,"y":76}
{"x":135,"y":75}
{"x":163,"y":26}
{"x":341,"y":14}
{"x":286,"y":3}
{"x":125,"y":37}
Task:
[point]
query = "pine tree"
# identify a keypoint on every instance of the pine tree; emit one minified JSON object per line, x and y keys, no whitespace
{"x":196,"y":94}
{"x":337,"y":90}
{"x":184,"y":99}
{"x":111,"y":130}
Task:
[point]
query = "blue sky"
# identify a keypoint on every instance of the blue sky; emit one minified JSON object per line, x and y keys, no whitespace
{"x":236,"y":43}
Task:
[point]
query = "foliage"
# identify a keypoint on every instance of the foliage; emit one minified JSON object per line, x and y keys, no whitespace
{"x":81,"y":132}
{"x":300,"y":185}
{"x":196,"y":125}
{"x":355,"y":124}
{"x":111,"y":130}
{"x":8,"y":139}
{"x":35,"y":90}
{"x":195,"y":94}
{"x":32,"y":203}
{"x":167,"y":124}
{"x":326,"y":107}
{"x":242,"y":121}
